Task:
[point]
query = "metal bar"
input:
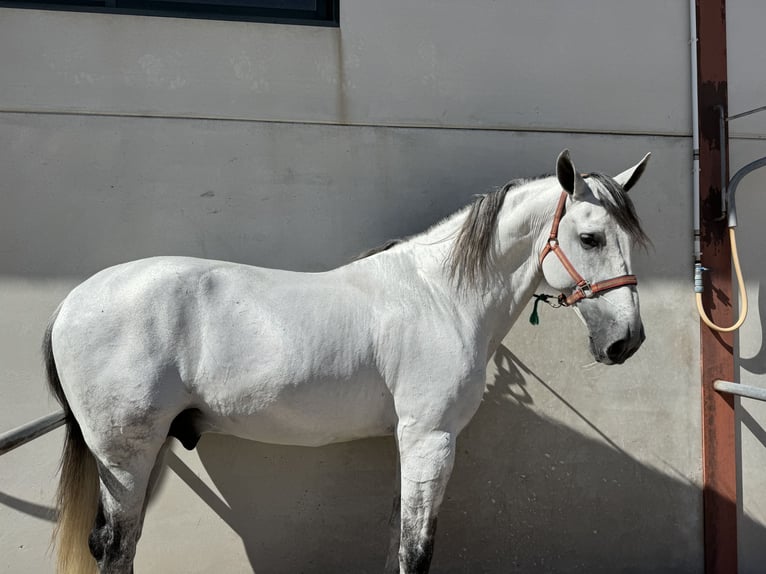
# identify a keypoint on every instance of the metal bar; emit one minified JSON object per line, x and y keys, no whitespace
{"x":747,"y":113}
{"x":719,"y":468}
{"x":749,"y":391}
{"x":30,"y":431}
{"x":736,"y":178}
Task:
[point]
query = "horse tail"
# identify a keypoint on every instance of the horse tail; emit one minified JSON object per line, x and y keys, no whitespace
{"x":77,"y":494}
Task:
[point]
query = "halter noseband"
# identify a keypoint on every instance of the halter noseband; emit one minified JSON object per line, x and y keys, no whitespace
{"x":583,"y":289}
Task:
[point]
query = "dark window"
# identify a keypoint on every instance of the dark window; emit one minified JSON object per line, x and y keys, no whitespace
{"x":311,"y":12}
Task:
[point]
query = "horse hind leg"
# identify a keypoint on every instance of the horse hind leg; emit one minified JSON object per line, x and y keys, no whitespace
{"x":126,"y":470}
{"x":154,"y":477}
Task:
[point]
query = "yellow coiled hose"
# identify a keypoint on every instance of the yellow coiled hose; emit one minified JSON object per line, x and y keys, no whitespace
{"x":742,"y":293}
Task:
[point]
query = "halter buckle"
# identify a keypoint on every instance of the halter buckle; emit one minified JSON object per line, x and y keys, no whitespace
{"x":586,"y":290}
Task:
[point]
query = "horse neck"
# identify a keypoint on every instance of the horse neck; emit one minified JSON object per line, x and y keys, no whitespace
{"x":495,"y":301}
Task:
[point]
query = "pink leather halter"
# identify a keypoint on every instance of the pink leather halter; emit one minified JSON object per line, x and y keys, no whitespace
{"x":583,"y":289}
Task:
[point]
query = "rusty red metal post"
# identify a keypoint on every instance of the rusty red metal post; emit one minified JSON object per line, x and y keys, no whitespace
{"x":717,"y":349}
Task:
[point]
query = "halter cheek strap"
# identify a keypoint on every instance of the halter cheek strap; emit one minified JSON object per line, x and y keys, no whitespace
{"x":583,"y":289}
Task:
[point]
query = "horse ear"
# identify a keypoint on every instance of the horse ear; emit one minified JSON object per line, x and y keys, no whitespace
{"x":629,"y":177}
{"x":569,"y":178}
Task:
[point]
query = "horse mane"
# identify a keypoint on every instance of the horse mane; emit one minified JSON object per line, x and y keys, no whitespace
{"x":472,"y":250}
{"x":618,"y":205}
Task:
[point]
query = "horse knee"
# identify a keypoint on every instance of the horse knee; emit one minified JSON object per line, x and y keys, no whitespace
{"x":426,"y":456}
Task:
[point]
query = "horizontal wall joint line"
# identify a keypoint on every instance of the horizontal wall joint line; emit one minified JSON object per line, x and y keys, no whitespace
{"x":392,"y":125}
{"x":747,"y":137}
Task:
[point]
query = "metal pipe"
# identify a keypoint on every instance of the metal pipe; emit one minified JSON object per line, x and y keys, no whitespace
{"x":724,"y":171}
{"x":748,"y":391}
{"x":734,"y":182}
{"x":695,"y":132}
{"x":747,"y":113}
{"x":30,"y":431}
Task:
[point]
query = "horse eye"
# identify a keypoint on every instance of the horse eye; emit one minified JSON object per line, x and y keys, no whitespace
{"x":589,"y":240}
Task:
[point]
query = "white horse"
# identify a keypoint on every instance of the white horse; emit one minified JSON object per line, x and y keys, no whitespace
{"x":395,"y":342}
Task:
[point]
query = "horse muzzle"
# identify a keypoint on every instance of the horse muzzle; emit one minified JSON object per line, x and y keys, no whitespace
{"x":616,"y":352}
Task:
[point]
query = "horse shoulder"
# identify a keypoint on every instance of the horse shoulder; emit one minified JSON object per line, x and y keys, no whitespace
{"x":433,"y":366}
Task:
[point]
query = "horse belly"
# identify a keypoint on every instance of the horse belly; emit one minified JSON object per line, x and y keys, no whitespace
{"x":313,"y":413}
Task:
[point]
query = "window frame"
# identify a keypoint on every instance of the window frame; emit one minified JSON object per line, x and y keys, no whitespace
{"x":326,"y":14}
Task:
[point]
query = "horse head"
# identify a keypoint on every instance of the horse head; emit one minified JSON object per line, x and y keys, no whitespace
{"x":594,"y":230}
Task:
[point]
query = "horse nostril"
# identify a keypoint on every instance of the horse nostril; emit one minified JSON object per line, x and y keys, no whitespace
{"x":616,"y":351}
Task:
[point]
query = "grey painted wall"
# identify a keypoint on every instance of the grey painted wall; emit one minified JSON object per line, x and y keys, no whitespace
{"x":478,"y":64}
{"x":751,"y":414}
{"x":747,"y":90}
{"x":298,"y":147}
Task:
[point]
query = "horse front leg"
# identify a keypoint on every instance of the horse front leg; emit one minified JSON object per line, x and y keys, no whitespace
{"x":394,"y":525}
{"x":426,"y":460}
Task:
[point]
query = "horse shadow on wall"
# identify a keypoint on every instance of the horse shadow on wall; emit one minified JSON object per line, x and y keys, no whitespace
{"x":527,"y":495}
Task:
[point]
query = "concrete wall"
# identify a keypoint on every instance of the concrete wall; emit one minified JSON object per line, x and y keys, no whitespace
{"x":298,"y":147}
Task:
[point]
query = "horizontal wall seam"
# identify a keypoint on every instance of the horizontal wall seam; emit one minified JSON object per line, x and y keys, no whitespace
{"x":487,"y":128}
{"x":747,"y":137}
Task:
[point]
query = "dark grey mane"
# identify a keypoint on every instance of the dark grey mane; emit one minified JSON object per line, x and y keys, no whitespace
{"x":619,"y":206}
{"x":472,"y":249}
